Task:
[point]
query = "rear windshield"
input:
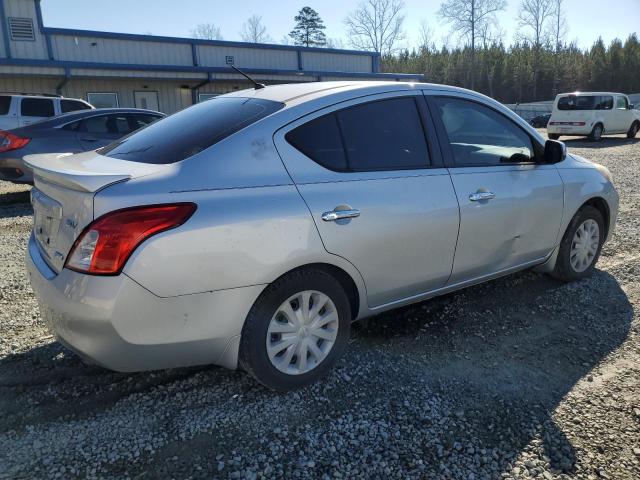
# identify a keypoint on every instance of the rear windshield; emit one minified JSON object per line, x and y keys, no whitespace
{"x":5,"y":103}
{"x":191,"y":130}
{"x":585,"y":102}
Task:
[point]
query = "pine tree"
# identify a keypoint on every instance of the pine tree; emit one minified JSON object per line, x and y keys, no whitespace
{"x":309,"y":29}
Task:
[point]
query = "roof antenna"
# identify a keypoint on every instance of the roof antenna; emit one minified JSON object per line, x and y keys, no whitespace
{"x":257,"y":85}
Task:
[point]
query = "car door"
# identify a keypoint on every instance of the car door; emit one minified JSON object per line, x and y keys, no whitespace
{"x":99,"y":130}
{"x":377,"y":190}
{"x":510,"y":206}
{"x":35,"y":109}
{"x":623,"y":116}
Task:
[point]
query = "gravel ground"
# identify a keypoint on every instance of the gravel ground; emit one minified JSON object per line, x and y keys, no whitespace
{"x":523,"y":377}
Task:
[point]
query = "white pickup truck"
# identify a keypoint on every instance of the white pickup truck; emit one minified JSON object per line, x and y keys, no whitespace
{"x":593,"y":114}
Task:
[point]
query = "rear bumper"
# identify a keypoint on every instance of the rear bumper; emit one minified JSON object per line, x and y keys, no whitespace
{"x":14,"y":170}
{"x":569,"y":129}
{"x":116,"y":323}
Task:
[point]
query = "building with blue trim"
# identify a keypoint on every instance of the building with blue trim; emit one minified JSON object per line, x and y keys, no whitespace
{"x":148,"y":71}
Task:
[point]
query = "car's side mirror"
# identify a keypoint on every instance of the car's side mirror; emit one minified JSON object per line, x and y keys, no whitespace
{"x":631,"y":106}
{"x":554,"y":151}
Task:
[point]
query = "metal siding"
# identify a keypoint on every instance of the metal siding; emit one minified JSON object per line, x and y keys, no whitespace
{"x":9,"y":83}
{"x":214,"y":56}
{"x":120,"y":51}
{"x":20,"y":70}
{"x":26,"y":49}
{"x":3,"y":51}
{"x":333,"y":62}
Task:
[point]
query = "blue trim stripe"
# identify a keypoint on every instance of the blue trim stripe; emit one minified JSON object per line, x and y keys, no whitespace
{"x":46,"y":36}
{"x":201,"y":69}
{"x":5,"y":30}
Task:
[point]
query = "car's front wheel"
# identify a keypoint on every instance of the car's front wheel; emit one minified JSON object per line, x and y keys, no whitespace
{"x":581,"y":245}
{"x":296,"y":330}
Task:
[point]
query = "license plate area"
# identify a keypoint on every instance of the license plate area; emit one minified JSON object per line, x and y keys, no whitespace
{"x":47,"y":214}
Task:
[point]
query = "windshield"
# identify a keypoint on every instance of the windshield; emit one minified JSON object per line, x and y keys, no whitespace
{"x":585,"y":102}
{"x":191,"y":130}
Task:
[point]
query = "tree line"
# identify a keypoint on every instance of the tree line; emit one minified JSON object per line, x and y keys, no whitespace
{"x":537,"y":65}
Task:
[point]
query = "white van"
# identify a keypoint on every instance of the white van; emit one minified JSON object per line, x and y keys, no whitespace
{"x":593,"y":114}
{"x":18,"y":110}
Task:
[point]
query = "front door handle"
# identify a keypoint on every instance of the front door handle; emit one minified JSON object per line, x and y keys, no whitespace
{"x":89,"y":139}
{"x":334,"y":215}
{"x":479,"y":196}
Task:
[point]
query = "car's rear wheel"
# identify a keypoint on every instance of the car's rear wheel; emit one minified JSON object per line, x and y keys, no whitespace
{"x":554,"y":136}
{"x":635,"y":127}
{"x":581,"y":245}
{"x":596,"y":133}
{"x":296,"y":330}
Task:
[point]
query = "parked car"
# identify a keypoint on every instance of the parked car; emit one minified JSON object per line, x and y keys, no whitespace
{"x":69,"y":133}
{"x":593,"y":114}
{"x":18,"y":110}
{"x":540,"y":121}
{"x":252,"y":229}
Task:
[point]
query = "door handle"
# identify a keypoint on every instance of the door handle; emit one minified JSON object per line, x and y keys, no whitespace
{"x":334,"y":215}
{"x":89,"y":139}
{"x":479,"y":196}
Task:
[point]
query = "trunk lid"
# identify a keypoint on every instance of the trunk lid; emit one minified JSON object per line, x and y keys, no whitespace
{"x":63,"y":196}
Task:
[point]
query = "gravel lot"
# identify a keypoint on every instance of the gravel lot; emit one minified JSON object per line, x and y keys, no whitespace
{"x":523,"y":377}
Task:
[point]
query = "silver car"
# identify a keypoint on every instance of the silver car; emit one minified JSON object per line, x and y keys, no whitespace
{"x":252,"y":229}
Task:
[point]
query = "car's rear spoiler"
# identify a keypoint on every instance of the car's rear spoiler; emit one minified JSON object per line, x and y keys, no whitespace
{"x":86,"y":172}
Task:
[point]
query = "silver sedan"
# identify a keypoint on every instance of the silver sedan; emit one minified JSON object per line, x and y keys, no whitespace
{"x":251,"y":230}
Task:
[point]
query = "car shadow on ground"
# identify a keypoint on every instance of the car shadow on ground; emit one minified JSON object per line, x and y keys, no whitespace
{"x":502,"y":355}
{"x":12,"y":198}
{"x":605,"y":142}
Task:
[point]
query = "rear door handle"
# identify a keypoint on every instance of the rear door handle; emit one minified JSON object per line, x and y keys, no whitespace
{"x":479,"y":196}
{"x":334,"y":215}
{"x":89,"y":139}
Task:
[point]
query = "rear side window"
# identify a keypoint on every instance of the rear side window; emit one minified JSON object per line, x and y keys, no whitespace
{"x":72,"y":106}
{"x":5,"y":104}
{"x":381,"y":135}
{"x":37,"y":107}
{"x":141,"y":120}
{"x":191,"y":130}
{"x":585,"y":102}
{"x":116,"y":124}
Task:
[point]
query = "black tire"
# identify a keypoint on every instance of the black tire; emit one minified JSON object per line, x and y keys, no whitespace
{"x":553,"y":136}
{"x":596,"y":132}
{"x":633,"y":130}
{"x":563,"y":269}
{"x":253,"y":355}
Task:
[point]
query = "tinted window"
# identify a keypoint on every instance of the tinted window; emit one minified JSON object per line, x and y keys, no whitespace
{"x":585,"y":102}
{"x":37,"y":107}
{"x":481,"y":136}
{"x":103,"y":99}
{"x":72,"y":127}
{"x":382,"y":135}
{"x":115,"y":124}
{"x":191,"y":130}
{"x":320,"y":140}
{"x":5,"y":104}
{"x":72,"y":106}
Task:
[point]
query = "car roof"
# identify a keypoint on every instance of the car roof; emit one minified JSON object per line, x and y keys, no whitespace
{"x":579,"y":94}
{"x":293,"y":93}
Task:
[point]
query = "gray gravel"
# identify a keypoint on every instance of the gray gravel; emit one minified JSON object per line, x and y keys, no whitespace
{"x":523,"y":377}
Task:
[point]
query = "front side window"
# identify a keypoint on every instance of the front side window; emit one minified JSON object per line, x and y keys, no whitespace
{"x":37,"y":107}
{"x":103,"y":99}
{"x":480,"y":136}
{"x":621,"y":103}
{"x":67,"y":106}
{"x":380,"y":135}
{"x":140,"y":120}
{"x":190,"y":131}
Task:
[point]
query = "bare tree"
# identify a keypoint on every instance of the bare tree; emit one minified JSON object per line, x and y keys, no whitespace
{"x":206,"y":31}
{"x":334,"y":43}
{"x":426,"y":36}
{"x":557,"y":32}
{"x":532,"y":20}
{"x":467,"y":18}
{"x":376,"y":25}
{"x":254,"y":31}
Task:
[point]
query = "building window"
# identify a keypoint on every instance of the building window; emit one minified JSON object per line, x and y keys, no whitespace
{"x":206,"y":96}
{"x":103,"y":99}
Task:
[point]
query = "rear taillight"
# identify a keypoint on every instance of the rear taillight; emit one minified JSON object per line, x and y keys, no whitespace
{"x":106,"y":244}
{"x":9,"y":141}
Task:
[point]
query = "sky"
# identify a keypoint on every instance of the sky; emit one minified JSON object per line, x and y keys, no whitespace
{"x":587,"y":19}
